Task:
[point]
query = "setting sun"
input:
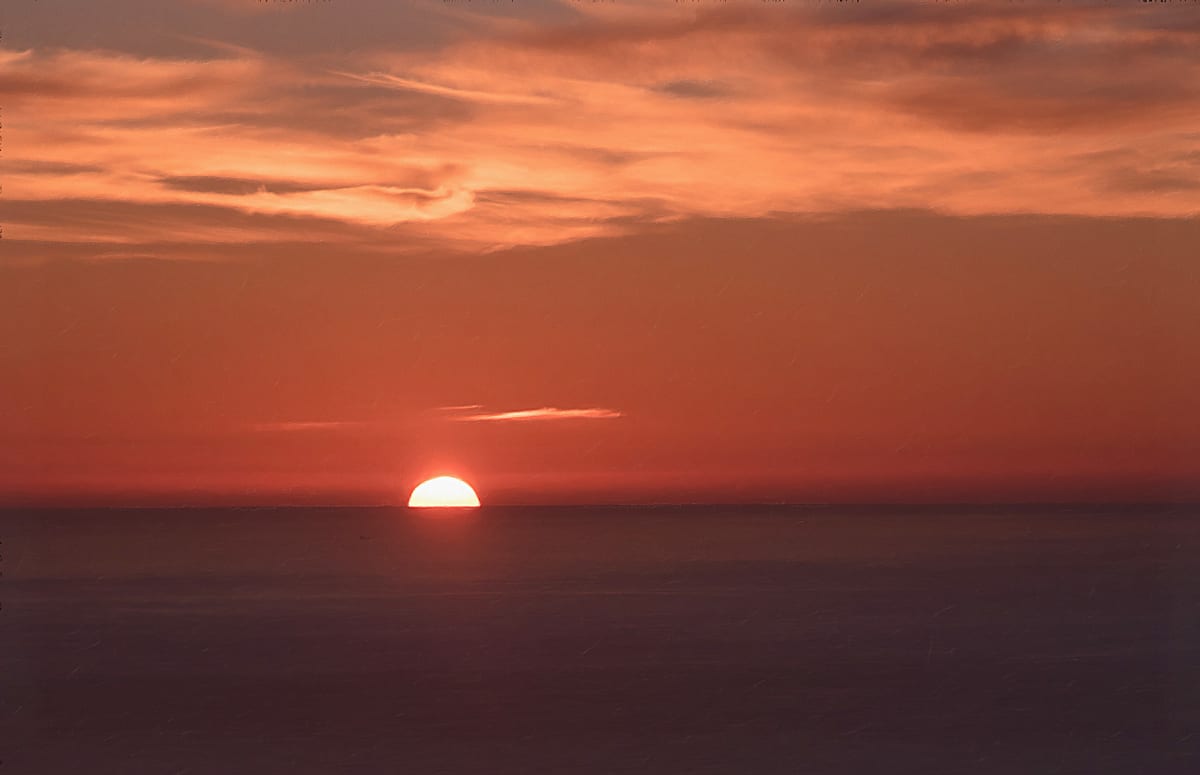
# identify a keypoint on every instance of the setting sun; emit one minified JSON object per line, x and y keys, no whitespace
{"x":444,"y":492}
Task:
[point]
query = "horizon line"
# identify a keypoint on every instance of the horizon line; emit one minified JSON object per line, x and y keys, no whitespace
{"x":615,"y":505}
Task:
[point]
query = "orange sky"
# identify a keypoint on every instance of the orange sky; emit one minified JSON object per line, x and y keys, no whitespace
{"x":585,"y":252}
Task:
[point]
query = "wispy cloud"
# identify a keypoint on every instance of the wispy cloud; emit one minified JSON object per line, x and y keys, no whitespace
{"x":468,"y":95}
{"x":542,"y":133}
{"x":544,"y":413}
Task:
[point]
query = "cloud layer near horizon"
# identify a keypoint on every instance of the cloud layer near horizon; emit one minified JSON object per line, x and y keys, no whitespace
{"x":538,"y":415}
{"x":585,"y":122}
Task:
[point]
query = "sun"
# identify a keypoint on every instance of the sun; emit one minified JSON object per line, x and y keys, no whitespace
{"x":443,"y":492}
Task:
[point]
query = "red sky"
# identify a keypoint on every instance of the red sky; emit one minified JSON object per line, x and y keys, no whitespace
{"x":600,"y":252}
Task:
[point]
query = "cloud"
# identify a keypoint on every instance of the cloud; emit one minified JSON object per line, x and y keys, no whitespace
{"x":456,"y":413}
{"x":1158,"y":180}
{"x":213,"y":184}
{"x":594,"y":120}
{"x":544,"y":413}
{"x":467,"y":95}
{"x":693,"y":89}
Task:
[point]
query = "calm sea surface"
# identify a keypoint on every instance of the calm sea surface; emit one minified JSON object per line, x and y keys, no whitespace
{"x":601,"y":640}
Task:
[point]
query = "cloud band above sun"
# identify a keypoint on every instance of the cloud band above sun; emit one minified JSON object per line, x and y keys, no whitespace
{"x":527,"y":130}
{"x":541,"y":414}
{"x":457,"y":413}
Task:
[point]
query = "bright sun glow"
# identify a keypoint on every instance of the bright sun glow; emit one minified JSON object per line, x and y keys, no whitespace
{"x":443,"y":491}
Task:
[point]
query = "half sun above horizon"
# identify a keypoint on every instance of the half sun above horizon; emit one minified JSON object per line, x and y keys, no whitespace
{"x":443,"y":492}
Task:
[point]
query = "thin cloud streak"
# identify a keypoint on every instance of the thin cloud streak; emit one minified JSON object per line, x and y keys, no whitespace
{"x":544,"y":413}
{"x":469,"y":95}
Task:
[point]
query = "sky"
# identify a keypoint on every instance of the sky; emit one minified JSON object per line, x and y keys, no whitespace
{"x":599,"y":252}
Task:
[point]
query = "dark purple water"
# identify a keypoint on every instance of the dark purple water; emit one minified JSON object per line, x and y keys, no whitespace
{"x":658,"y":641}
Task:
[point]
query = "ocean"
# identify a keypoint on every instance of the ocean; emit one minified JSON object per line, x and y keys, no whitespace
{"x":658,"y":640}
